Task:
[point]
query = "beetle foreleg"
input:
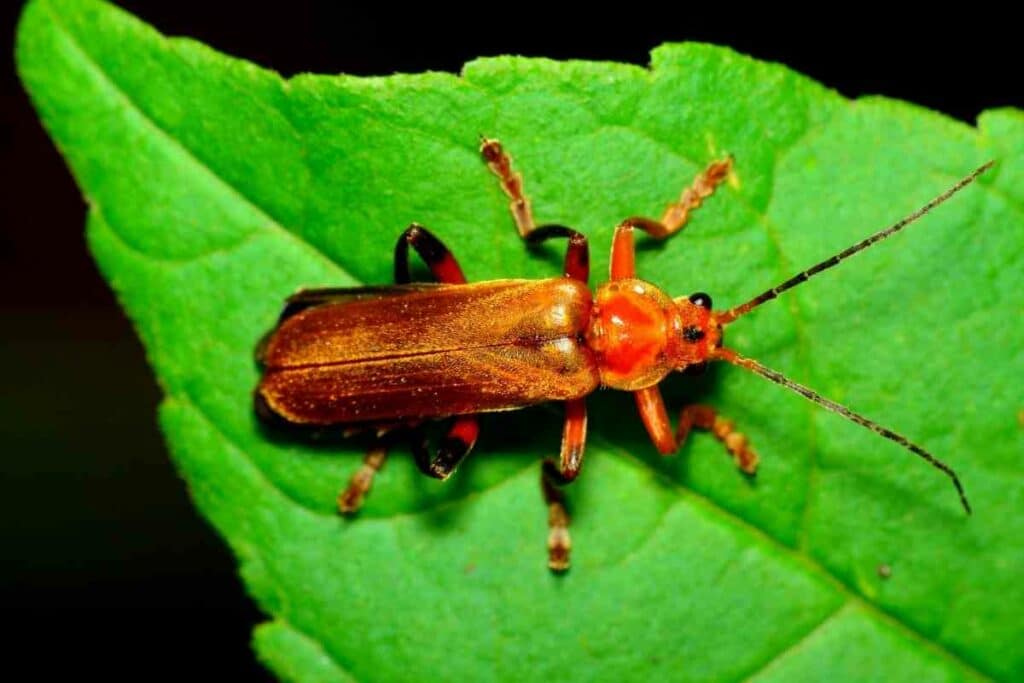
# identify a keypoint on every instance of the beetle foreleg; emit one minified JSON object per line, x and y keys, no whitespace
{"x":655,"y":419}
{"x":574,"y":436}
{"x":351,"y":499}
{"x":705,"y":417}
{"x":678,"y":212}
{"x":623,"y":263}
{"x":453,"y":449}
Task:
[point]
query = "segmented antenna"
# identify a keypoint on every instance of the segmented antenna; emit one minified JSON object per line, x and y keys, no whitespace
{"x":737,"y":311}
{"x":732,"y":357}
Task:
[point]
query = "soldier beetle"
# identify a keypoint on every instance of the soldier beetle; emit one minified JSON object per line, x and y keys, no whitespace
{"x":390,"y":358}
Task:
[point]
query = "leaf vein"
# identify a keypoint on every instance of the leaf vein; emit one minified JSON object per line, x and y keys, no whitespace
{"x":185,"y":396}
{"x":810,"y":564}
{"x":168,"y":261}
{"x":798,"y":643}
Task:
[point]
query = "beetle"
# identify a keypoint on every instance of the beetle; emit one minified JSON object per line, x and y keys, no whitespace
{"x":391,"y":358}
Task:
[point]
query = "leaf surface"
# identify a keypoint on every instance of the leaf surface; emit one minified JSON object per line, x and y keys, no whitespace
{"x":216,"y":188}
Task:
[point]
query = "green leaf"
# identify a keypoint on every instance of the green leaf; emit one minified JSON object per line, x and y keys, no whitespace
{"x":216,"y":188}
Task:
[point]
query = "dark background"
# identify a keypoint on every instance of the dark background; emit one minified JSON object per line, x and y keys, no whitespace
{"x":106,"y":567}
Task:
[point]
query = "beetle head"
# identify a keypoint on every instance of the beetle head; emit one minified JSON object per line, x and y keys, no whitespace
{"x":700,"y":333}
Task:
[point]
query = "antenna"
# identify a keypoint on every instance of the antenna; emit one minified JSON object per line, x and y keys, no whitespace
{"x":728,"y":316}
{"x":732,"y":357}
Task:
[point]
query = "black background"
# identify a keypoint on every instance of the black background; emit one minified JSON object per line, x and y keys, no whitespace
{"x":106,"y":567}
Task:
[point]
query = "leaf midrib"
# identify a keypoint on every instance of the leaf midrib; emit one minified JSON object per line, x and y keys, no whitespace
{"x":811,"y":565}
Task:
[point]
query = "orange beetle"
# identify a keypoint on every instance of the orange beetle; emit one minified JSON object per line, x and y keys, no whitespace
{"x":390,"y":358}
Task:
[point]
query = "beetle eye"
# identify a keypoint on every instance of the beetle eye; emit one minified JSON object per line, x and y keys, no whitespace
{"x":692,"y":333}
{"x":701,"y":299}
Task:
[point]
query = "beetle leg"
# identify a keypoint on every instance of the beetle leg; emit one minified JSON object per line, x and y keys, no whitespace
{"x":453,"y":449}
{"x":677,"y":213}
{"x":705,"y":417}
{"x":438,"y":258}
{"x":574,"y":436}
{"x":655,"y":419}
{"x":559,"y":541}
{"x":577,"y":255}
{"x":511,"y":182}
{"x":623,"y":264}
{"x":351,"y":499}
{"x":462,"y":434}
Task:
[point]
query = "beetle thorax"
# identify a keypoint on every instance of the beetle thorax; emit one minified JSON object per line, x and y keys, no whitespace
{"x":633,"y":332}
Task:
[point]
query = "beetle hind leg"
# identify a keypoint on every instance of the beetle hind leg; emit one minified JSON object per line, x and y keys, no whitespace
{"x":462,"y":434}
{"x":442,"y":263}
{"x":454,"y":447}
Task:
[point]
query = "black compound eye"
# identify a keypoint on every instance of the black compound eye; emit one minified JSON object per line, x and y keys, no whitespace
{"x":692,"y":333}
{"x":701,"y":299}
